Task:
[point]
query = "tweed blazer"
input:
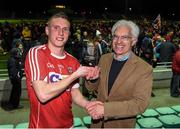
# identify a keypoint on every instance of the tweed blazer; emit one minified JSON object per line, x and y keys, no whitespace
{"x":130,"y":93}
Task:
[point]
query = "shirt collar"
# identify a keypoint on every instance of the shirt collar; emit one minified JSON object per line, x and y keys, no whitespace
{"x":123,"y":58}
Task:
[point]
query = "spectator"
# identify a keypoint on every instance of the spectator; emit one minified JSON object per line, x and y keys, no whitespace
{"x":175,"y":81}
{"x":27,"y":38}
{"x":166,"y":51}
{"x":15,"y":72}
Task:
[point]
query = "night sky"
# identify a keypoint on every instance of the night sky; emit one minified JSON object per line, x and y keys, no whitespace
{"x":144,"y":7}
{"x":152,"y":7}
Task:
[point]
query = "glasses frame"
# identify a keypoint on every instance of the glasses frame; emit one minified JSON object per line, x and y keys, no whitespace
{"x":124,"y":38}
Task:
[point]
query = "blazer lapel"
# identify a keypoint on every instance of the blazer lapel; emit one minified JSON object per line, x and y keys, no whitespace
{"x":107,"y":66}
{"x":127,"y":69}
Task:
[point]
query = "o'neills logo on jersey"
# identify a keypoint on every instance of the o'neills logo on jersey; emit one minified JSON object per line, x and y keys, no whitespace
{"x":49,"y":65}
{"x":60,"y":67}
{"x":70,"y":70}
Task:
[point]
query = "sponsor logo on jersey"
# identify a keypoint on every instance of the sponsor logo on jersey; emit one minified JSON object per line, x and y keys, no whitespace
{"x":54,"y":77}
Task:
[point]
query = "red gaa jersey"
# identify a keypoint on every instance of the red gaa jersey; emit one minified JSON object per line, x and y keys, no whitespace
{"x":41,"y":64}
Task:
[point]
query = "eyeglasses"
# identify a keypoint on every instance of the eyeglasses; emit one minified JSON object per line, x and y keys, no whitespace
{"x":123,"y":38}
{"x":58,"y":28}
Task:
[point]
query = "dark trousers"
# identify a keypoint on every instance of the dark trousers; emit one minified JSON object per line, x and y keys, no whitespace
{"x":175,"y":85}
{"x":27,"y":44}
{"x":15,"y":92}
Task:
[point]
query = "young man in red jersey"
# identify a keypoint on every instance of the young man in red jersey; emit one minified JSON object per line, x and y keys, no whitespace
{"x":52,"y":78}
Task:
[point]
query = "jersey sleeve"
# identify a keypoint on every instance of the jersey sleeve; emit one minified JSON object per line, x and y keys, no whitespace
{"x":35,"y":65}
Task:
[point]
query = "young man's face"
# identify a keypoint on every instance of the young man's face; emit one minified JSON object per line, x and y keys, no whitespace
{"x":58,"y":31}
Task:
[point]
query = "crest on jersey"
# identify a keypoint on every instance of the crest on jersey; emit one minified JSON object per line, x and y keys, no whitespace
{"x":70,"y":70}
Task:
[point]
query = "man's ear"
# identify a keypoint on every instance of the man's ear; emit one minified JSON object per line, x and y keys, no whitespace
{"x":134,"y":40}
{"x":69,"y":33}
{"x":47,"y":30}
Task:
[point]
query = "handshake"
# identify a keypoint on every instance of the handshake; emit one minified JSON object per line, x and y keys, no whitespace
{"x":95,"y":109}
{"x":90,"y":73}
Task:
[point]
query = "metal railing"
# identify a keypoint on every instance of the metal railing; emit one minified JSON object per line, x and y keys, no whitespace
{"x":4,"y":73}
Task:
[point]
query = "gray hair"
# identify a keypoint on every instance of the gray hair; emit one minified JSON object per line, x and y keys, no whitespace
{"x":134,"y":28}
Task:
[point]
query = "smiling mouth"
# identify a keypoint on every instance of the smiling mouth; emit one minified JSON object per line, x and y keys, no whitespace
{"x":119,"y":47}
{"x":60,"y":39}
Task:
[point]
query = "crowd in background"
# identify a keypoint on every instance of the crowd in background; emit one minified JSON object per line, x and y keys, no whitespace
{"x":88,"y":41}
{"x":154,"y":45}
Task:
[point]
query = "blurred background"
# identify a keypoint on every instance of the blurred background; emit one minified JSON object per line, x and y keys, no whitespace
{"x":159,"y":22}
{"x":89,"y":8}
